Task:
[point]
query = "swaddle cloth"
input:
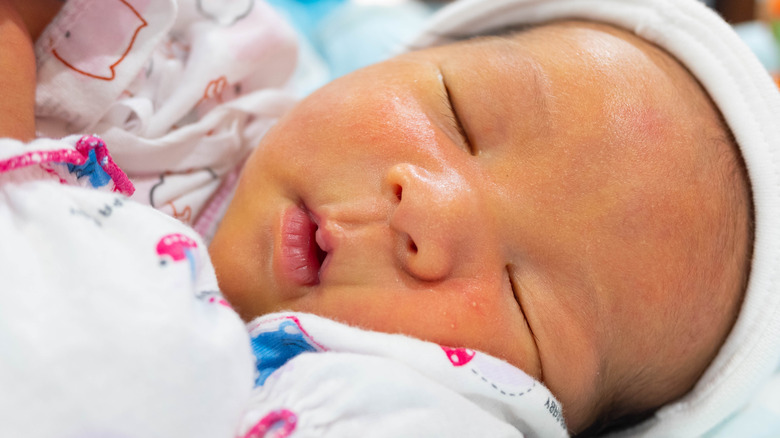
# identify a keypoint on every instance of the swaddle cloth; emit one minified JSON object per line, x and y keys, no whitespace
{"x":750,"y":104}
{"x":182,"y":90}
{"x":317,"y":377}
{"x":111,"y":320}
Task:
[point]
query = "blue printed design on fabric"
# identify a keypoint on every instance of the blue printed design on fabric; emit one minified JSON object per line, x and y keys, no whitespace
{"x":97,"y":176}
{"x":273,"y":349}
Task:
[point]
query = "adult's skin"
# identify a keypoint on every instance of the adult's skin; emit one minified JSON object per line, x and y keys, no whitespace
{"x":21,"y":23}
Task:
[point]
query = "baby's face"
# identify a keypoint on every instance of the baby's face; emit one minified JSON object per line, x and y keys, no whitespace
{"x":536,"y":198}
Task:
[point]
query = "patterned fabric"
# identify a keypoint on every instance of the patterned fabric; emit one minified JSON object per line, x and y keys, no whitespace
{"x":182,"y":90}
{"x":333,"y":380}
{"x":111,"y":322}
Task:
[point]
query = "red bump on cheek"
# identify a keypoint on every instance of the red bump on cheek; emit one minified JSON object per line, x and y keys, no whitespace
{"x":637,"y":122}
{"x":642,"y":132}
{"x":650,"y":124}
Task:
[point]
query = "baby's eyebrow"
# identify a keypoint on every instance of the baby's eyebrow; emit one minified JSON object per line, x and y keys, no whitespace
{"x":540,"y":88}
{"x":535,"y":78}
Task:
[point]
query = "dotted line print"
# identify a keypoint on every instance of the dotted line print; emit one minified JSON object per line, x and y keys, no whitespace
{"x":510,"y":394}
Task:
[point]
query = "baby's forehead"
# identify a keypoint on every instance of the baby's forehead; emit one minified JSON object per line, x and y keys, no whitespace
{"x":636,"y":87}
{"x":620,"y":107}
{"x":597,"y":48}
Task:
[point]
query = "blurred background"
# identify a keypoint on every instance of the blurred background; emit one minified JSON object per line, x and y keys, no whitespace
{"x":339,"y":36}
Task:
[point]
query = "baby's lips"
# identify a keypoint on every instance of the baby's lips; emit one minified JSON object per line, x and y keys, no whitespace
{"x":297,"y":260}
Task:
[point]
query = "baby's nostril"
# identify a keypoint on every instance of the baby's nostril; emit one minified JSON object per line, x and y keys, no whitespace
{"x":399,"y":192}
{"x":412,"y":247}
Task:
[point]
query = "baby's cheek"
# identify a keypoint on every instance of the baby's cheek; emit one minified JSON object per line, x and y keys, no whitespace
{"x":236,"y":254}
{"x":227,"y":274}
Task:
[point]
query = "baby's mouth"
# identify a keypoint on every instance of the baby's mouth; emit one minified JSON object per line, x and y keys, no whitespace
{"x":301,"y":257}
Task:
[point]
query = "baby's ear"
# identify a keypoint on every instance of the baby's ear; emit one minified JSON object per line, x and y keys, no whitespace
{"x":17,"y":76}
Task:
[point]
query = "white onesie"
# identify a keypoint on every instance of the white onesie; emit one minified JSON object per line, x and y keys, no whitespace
{"x":111,"y":321}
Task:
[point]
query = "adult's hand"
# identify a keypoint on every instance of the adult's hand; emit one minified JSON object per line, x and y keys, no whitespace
{"x":17,"y":75}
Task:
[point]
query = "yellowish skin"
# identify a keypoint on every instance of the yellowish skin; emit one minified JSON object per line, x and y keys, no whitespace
{"x":569,"y":232}
{"x":592,"y":227}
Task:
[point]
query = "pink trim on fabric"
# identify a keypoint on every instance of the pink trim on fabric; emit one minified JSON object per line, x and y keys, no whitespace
{"x":270,"y":423}
{"x":85,"y":144}
{"x":296,"y":321}
{"x":122,"y":183}
{"x":458,"y":356}
{"x":39,"y":157}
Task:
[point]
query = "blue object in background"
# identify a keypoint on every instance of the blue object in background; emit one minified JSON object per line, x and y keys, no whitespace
{"x":339,"y":36}
{"x":305,"y":15}
{"x":356,"y":35}
{"x":758,"y":36}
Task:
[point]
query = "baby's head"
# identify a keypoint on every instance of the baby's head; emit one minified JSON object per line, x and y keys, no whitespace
{"x":566,"y":198}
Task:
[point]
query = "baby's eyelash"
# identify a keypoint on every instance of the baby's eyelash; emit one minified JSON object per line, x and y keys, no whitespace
{"x":512,"y":286}
{"x":452,"y":116}
{"x":516,"y":294}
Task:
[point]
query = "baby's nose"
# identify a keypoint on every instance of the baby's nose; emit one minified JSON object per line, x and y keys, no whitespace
{"x":429,"y":219}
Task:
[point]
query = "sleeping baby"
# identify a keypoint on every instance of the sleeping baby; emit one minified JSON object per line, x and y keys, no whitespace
{"x":582,"y":213}
{"x":560,"y":223}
